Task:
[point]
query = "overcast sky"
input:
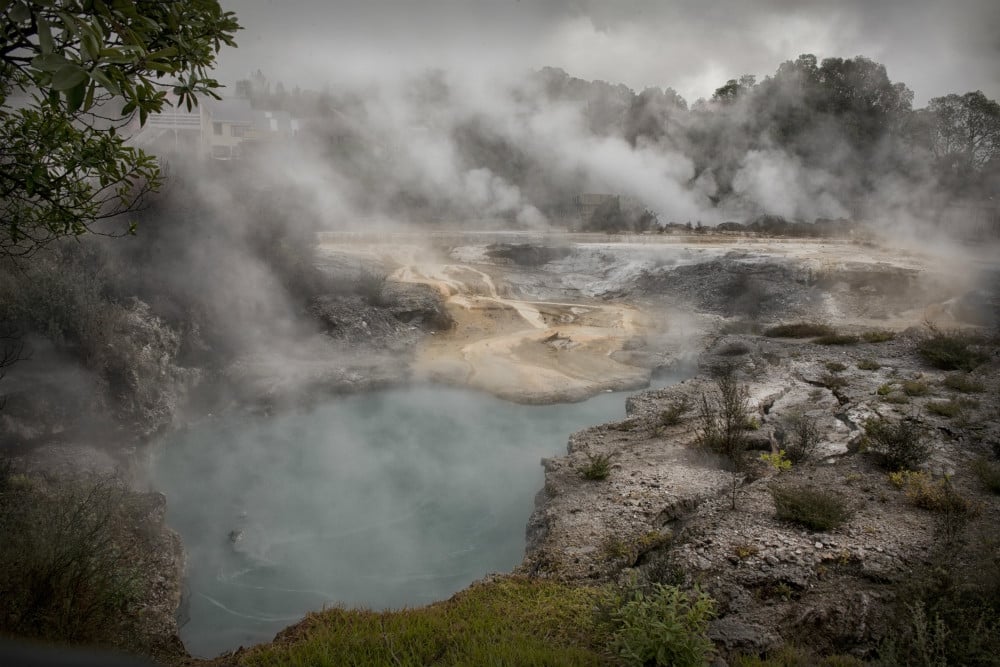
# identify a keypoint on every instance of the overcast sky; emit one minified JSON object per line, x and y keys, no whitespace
{"x":934,"y":46}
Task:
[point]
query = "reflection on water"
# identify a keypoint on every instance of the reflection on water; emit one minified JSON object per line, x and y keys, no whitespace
{"x":389,"y":499}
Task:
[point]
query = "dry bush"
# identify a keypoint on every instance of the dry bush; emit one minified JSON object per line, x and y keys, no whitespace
{"x":811,"y":507}
{"x":952,"y":350}
{"x":725,"y":419}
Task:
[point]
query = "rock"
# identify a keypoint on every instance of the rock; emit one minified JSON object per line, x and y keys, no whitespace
{"x":733,"y":635}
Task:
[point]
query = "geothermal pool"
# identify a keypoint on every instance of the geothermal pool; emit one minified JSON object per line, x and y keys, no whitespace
{"x":387,"y":499}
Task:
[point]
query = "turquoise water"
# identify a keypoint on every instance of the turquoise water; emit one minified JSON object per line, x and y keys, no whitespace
{"x":387,"y":499}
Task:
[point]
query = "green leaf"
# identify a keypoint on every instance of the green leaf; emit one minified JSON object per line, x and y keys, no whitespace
{"x":74,"y":96}
{"x":49,"y":62}
{"x":45,"y":36}
{"x":19,"y":13}
{"x":69,"y":76}
{"x":103,"y":79}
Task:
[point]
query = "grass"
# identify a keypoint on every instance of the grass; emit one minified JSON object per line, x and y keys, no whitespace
{"x":964,"y":383}
{"x":869,"y":365}
{"x":837,"y":339}
{"x":951,"y":351}
{"x":792,"y":656}
{"x":511,"y":621}
{"x":878,"y":336}
{"x":813,"y":508}
{"x":597,"y":468}
{"x":799,"y":330}
{"x":915,"y":388}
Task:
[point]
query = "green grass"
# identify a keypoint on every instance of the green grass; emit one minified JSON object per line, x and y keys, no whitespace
{"x":512,"y":621}
{"x":813,"y":508}
{"x":597,"y":468}
{"x":964,"y":383}
{"x":799,"y":330}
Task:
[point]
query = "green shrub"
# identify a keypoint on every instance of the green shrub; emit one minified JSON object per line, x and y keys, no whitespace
{"x":666,"y":627}
{"x":896,"y":445}
{"x":879,"y":336}
{"x":597,"y":468}
{"x":951,"y":351}
{"x":725,"y":419}
{"x":835,"y":366}
{"x":837,"y":339}
{"x":800,"y":437}
{"x":884,"y":389}
{"x":813,"y":508}
{"x":675,"y":411}
{"x":925,"y":492}
{"x":989,"y":474}
{"x":799,"y":330}
{"x":915,"y":388}
{"x":869,"y":365}
{"x":964,"y":383}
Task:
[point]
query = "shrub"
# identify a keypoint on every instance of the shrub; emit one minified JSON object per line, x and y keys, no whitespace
{"x":665,"y":627}
{"x":988,"y":474}
{"x":800,"y":437}
{"x":869,"y":365}
{"x":896,"y":399}
{"x":799,"y":330}
{"x":832,"y":381}
{"x":835,"y":366}
{"x":725,"y":420}
{"x":884,"y":389}
{"x":951,"y":351}
{"x":915,"y":388}
{"x":597,"y":468}
{"x":964,"y":383}
{"x":74,"y":561}
{"x":837,"y":339}
{"x":926,"y":493}
{"x":947,"y":409}
{"x":813,"y":508}
{"x":896,"y":445}
{"x":675,"y":411}
{"x":777,"y":461}
{"x":878,"y":336}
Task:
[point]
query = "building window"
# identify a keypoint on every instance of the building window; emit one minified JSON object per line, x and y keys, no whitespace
{"x":217,"y":128}
{"x":238,"y":131}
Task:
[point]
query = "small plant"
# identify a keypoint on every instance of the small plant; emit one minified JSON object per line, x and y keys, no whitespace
{"x":925,"y":492}
{"x":665,"y":627}
{"x":837,"y":339}
{"x":801,"y":436}
{"x":947,"y":409}
{"x":744,"y":551}
{"x":951,"y":351}
{"x":813,"y":508}
{"x":725,"y":419}
{"x":777,"y":461}
{"x":988,"y":473}
{"x":878,"y":336}
{"x":597,"y":468}
{"x":915,"y":388}
{"x":869,"y":365}
{"x":675,"y":411}
{"x":896,"y":445}
{"x":832,"y":381}
{"x":835,"y":366}
{"x":799,"y":330}
{"x":896,"y":399}
{"x":885,"y":389}
{"x":964,"y":383}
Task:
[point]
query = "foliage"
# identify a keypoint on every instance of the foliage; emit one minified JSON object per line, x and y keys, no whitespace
{"x":675,"y":411}
{"x":869,"y":365}
{"x":666,"y":626}
{"x":725,"y":419}
{"x":74,"y":561}
{"x":915,"y":388}
{"x":896,"y":445}
{"x":884,"y":389}
{"x":925,"y":492}
{"x":963,"y":382}
{"x":951,"y":351}
{"x":510,"y":621}
{"x":832,"y":381}
{"x":73,"y":75}
{"x":597,"y":468}
{"x":835,"y":366}
{"x":800,"y":436}
{"x":777,"y":461}
{"x":813,"y":508}
{"x":799,"y":330}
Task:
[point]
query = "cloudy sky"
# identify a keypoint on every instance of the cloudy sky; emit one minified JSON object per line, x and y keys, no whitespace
{"x":935,"y":47}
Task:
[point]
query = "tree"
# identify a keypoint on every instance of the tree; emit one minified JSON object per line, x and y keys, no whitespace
{"x":73,"y":75}
{"x":725,"y":419}
{"x":966,"y":129}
